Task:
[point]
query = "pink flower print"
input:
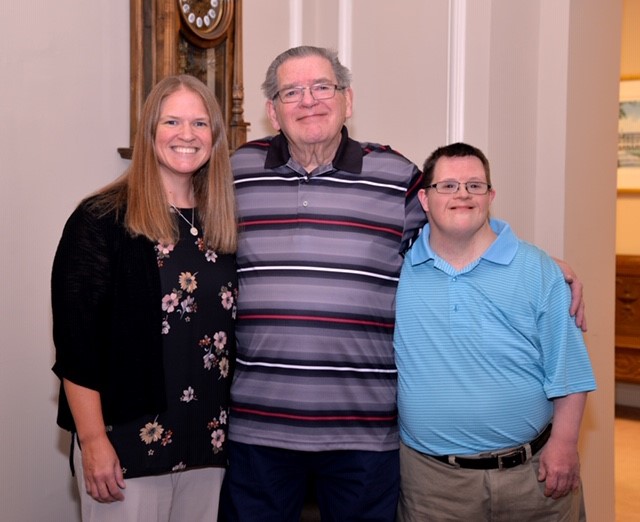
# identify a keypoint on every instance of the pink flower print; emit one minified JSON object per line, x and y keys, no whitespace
{"x":164,"y":249}
{"x":211,"y":256}
{"x":220,"y":340}
{"x":227,"y":298}
{"x":188,"y":395}
{"x":170,"y":301}
{"x":209,"y":360}
{"x":217,"y":440}
{"x":187,"y":306}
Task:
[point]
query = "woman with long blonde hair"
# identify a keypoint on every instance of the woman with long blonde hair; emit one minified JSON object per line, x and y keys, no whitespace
{"x":144,"y":295}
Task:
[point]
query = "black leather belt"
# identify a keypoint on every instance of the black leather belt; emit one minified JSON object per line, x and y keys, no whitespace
{"x":506,"y":460}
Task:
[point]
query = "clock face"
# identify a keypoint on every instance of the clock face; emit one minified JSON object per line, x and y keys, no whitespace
{"x":202,"y":16}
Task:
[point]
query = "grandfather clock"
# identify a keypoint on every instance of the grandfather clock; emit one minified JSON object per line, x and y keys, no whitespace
{"x":198,"y":37}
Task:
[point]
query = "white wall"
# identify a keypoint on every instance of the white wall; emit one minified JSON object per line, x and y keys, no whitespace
{"x":64,"y":111}
{"x":394,"y":104}
{"x":590,"y":210}
{"x":534,"y":76}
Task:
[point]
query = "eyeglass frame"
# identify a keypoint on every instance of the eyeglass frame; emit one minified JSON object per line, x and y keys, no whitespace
{"x":459,"y":184}
{"x":301,"y":89}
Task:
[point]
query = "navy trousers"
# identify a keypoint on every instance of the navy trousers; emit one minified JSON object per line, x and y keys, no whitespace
{"x":266,"y":484}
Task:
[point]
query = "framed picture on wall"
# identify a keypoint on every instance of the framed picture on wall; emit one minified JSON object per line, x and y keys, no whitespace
{"x":629,"y":137}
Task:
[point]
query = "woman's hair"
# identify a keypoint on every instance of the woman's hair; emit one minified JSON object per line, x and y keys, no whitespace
{"x":270,"y":84}
{"x":139,"y":192}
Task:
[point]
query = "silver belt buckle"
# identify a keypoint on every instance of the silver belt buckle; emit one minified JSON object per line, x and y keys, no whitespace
{"x":512,"y":457}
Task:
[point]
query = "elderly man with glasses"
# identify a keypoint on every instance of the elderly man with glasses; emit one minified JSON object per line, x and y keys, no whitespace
{"x":324,"y":221}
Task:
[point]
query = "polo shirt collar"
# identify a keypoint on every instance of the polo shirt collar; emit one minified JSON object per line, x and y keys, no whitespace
{"x":501,"y":251}
{"x":348,"y":156}
{"x":504,"y":248}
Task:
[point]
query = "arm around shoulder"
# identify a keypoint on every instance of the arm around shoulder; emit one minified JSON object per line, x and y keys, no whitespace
{"x":577,"y":308}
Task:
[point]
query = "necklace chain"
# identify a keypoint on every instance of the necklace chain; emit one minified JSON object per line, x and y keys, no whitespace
{"x":193,"y":230}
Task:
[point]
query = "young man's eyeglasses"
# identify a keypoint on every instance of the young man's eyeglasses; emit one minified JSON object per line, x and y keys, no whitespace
{"x":319,"y":91}
{"x":477,"y":188}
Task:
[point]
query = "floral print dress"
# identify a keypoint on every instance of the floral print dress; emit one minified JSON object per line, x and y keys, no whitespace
{"x":199,"y":289}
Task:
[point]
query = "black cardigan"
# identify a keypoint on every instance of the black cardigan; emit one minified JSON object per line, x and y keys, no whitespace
{"x":107,"y":319}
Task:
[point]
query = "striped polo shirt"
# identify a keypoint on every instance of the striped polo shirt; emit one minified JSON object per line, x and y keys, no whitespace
{"x":319,"y":257}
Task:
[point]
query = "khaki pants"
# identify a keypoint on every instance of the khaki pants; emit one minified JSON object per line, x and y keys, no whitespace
{"x":432,"y":491}
{"x":191,"y":495}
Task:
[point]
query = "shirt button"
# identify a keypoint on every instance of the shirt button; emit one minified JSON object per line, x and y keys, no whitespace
{"x":305,"y":203}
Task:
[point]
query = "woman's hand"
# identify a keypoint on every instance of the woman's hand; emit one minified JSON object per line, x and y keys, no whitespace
{"x":103,"y":478}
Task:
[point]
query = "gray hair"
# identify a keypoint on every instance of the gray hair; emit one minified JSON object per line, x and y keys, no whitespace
{"x":270,"y":84}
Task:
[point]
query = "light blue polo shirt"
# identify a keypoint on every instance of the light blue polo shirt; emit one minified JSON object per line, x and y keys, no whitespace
{"x":482,"y":351}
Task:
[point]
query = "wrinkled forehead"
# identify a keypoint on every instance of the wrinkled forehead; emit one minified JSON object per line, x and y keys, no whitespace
{"x":305,"y":70}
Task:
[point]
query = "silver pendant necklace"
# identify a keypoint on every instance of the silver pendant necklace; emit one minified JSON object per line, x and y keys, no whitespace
{"x":192,"y":223}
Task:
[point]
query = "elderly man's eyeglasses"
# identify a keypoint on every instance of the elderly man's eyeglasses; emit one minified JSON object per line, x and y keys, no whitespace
{"x":477,"y":188}
{"x":319,"y":91}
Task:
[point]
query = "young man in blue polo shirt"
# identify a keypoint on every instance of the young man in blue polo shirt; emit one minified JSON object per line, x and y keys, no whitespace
{"x":492,"y":372}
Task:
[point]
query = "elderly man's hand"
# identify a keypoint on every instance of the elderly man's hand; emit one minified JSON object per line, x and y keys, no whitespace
{"x":577,"y":308}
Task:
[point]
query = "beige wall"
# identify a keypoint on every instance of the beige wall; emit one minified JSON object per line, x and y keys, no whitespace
{"x":628,"y":224}
{"x":630,"y":52}
{"x":526,"y":92}
{"x":64,"y":110}
{"x":415,"y":122}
